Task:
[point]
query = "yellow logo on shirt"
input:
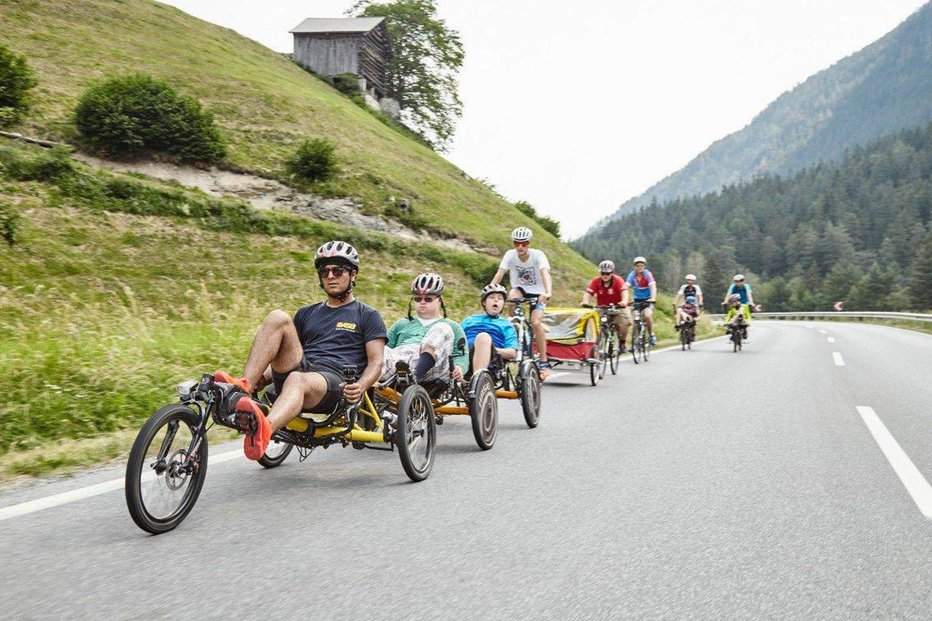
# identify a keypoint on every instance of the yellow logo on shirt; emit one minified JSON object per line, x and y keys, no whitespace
{"x":348,"y":326}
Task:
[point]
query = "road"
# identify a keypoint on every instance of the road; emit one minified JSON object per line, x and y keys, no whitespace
{"x":704,"y":484}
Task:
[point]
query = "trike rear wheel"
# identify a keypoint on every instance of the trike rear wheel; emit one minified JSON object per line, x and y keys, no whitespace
{"x":277,"y":452}
{"x":530,"y":393}
{"x":483,"y":409}
{"x":416,"y":433}
{"x":163,"y":480}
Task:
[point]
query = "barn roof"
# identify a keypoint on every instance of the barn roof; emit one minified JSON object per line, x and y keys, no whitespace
{"x":324,"y":25}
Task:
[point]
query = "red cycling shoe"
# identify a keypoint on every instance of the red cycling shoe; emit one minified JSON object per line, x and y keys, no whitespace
{"x":250,"y":416}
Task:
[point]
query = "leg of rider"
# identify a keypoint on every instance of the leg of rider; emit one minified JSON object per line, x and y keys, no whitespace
{"x":437,"y":345}
{"x":512,"y":295}
{"x":648,"y":315}
{"x":623,"y":330}
{"x":539,"y":338}
{"x":302,"y":391}
{"x":482,"y":351}
{"x":276,"y":344}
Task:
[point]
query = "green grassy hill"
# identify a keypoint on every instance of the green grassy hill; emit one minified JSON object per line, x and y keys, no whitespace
{"x":119,"y":286}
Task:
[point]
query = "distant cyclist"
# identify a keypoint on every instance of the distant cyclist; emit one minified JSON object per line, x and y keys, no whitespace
{"x":491,"y":338}
{"x":745,"y":298}
{"x":609,"y":288}
{"x":689,"y":289}
{"x":688,"y":312}
{"x":529,"y":274}
{"x":645,"y":291}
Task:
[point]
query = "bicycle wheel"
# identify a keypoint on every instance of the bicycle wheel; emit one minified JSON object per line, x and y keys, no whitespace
{"x":684,"y":337}
{"x":163,"y":480}
{"x":595,"y":368}
{"x":604,"y":341}
{"x":615,"y":351}
{"x":416,"y":434}
{"x":483,"y":409}
{"x":277,"y":452}
{"x":636,"y":342}
{"x":530,"y":393}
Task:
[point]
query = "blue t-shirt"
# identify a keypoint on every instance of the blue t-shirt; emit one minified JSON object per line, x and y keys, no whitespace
{"x":641,"y":284}
{"x":743,"y":292}
{"x":501,"y":330}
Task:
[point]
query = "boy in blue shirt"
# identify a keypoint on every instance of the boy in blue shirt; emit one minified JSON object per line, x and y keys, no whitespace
{"x":488,"y":334}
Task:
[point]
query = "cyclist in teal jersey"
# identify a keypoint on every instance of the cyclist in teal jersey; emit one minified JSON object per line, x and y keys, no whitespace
{"x":491,"y":337}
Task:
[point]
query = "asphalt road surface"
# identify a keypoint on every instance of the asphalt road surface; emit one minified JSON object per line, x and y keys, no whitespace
{"x":772,"y":483}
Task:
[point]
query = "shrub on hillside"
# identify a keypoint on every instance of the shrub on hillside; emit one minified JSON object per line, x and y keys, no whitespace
{"x":9,"y":223}
{"x":16,"y":80}
{"x":314,"y":160}
{"x":547,"y":223}
{"x":133,"y":114}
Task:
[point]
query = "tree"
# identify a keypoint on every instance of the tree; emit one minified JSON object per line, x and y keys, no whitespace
{"x":422,"y":74}
{"x":16,"y":80}
{"x":920,"y":286}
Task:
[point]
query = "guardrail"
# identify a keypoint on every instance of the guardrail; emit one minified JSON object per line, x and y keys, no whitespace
{"x":856,"y":315}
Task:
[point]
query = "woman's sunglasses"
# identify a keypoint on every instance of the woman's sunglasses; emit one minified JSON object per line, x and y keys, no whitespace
{"x":335,"y":271}
{"x":424,"y":298}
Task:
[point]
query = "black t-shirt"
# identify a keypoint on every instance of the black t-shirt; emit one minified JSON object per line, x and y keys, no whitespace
{"x":337,"y":337}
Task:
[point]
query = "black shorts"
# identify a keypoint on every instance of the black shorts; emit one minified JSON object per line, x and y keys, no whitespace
{"x":333,"y":378}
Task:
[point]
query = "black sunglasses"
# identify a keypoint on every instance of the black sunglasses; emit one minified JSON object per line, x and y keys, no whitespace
{"x":606,"y":273}
{"x":337,"y":271}
{"x":425,"y":298}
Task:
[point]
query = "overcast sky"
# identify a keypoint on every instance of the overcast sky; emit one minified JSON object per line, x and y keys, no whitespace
{"x":578,"y":106}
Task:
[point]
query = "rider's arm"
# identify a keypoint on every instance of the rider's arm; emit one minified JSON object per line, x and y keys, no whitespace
{"x":548,"y":283}
{"x":586,"y":299}
{"x":507,"y":353}
{"x":375,"y":350}
{"x":497,"y":280}
{"x":653,"y":290}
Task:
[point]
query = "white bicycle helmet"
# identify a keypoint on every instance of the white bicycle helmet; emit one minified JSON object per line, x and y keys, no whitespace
{"x":427,"y":283}
{"x":522,"y":233}
{"x":489,"y":290}
{"x":640,"y":260}
{"x":337,"y":252}
{"x":607,"y":266}
{"x":738,"y":277}
{"x":690,"y":277}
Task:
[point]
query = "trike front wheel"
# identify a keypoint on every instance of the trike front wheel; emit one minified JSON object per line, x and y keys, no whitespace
{"x":165,"y":472}
{"x":416,"y":434}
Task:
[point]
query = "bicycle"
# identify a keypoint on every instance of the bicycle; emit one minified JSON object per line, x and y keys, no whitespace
{"x":520,"y":379}
{"x":640,"y":339}
{"x":737,"y":329}
{"x":609,"y":343}
{"x":687,"y":334}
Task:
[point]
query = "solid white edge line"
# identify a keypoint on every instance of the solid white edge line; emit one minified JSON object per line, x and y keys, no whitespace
{"x":916,"y":484}
{"x":839,"y":361}
{"x":831,"y":339}
{"x":31,"y":506}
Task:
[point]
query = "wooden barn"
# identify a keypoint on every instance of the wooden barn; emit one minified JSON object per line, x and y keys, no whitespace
{"x":356,"y":45}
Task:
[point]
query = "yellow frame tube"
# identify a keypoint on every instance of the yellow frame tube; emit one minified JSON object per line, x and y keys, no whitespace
{"x":451,"y":410}
{"x":506,"y":394}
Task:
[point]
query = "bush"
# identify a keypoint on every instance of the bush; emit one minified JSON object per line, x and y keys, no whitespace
{"x":547,"y":223}
{"x":134,"y":114}
{"x":16,"y":80}
{"x":313,"y":160}
{"x":9,"y":223}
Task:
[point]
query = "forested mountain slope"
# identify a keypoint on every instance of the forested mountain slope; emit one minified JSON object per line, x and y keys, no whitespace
{"x":857,"y":230}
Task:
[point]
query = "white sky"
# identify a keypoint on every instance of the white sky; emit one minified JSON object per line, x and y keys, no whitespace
{"x":578,"y":106}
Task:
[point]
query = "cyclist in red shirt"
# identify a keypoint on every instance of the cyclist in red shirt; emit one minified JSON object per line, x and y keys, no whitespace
{"x":609,"y":288}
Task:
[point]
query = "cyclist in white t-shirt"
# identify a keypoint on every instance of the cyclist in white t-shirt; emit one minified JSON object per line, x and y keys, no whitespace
{"x":529,"y":274}
{"x":690,"y":288}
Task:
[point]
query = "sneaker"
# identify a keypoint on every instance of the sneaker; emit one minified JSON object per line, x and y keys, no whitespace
{"x":677,"y":327}
{"x":240,"y":382}
{"x":543,"y":370}
{"x":653,"y":339}
{"x":251,"y":419}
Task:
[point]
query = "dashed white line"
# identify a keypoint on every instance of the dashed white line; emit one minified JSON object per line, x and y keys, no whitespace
{"x":24,"y":508}
{"x":831,"y":339}
{"x":916,"y":484}
{"x":839,"y":361}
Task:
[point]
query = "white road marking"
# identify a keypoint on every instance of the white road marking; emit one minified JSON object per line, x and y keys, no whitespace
{"x":824,"y":331}
{"x":831,"y":339}
{"x":81,"y":493}
{"x":916,"y":484}
{"x":839,"y":361}
{"x":557,"y":374}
